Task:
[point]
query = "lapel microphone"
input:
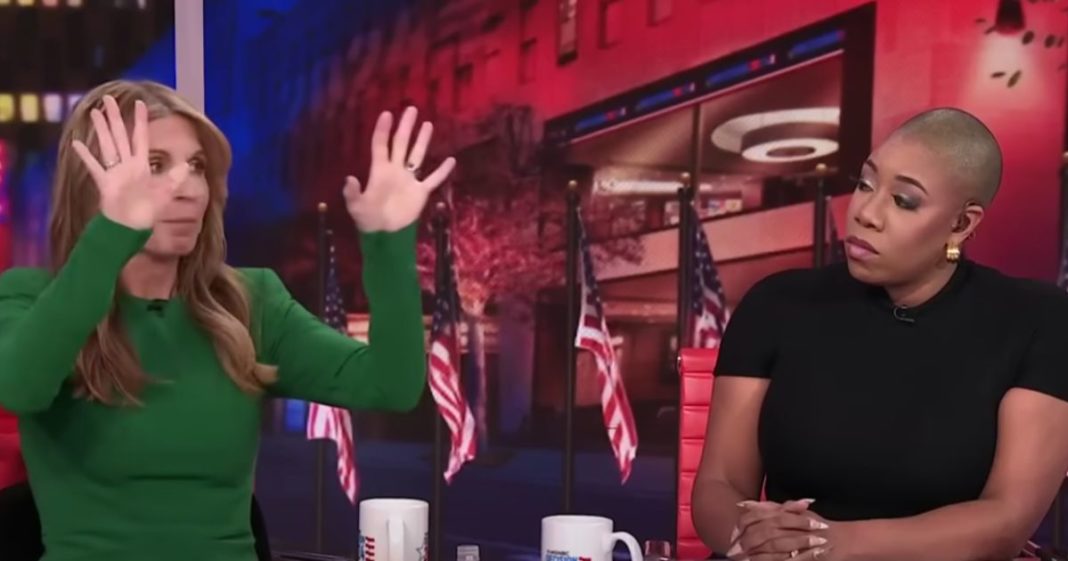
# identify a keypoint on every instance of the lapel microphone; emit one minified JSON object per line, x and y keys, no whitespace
{"x":156,"y":306}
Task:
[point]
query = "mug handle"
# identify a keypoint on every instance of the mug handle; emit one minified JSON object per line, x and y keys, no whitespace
{"x":395,"y":534}
{"x":629,"y":541}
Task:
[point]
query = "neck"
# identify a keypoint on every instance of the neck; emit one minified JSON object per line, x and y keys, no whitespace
{"x":915,"y":293}
{"x":150,"y":278}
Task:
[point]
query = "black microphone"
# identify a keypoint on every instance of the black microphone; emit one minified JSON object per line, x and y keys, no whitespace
{"x":156,"y":306}
{"x":903,"y":315}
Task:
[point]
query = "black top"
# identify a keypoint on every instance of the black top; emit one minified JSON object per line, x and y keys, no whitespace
{"x":877,"y":411}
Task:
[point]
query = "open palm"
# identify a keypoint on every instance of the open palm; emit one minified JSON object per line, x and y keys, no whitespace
{"x":395,"y":196}
{"x":122,"y":172}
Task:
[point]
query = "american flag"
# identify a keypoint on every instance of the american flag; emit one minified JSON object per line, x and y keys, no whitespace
{"x":335,"y":423}
{"x":708,"y":304}
{"x":444,"y":372}
{"x":836,"y":253}
{"x":593,"y":335}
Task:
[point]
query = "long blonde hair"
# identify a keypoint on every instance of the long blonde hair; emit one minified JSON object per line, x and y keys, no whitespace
{"x":107,"y":368}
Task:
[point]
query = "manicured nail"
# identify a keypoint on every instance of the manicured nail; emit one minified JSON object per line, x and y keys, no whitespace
{"x":814,"y":541}
{"x":816,"y":524}
{"x":734,"y":550}
{"x":744,"y":504}
{"x":807,"y":501}
{"x":819,"y":552}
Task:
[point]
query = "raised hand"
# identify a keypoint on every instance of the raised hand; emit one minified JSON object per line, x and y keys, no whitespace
{"x":395,"y":196}
{"x":122,"y":174}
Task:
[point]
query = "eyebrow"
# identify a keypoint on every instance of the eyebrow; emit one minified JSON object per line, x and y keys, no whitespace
{"x":902,"y":178}
{"x":911,"y":181}
{"x":156,"y":152}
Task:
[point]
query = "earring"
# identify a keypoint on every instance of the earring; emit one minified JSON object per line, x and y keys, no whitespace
{"x":952,"y":252}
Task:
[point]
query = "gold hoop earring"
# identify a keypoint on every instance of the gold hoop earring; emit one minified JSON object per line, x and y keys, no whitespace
{"x":952,"y":253}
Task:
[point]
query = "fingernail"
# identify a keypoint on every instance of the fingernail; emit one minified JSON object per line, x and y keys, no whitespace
{"x":807,"y":501}
{"x":819,"y":552}
{"x":734,"y":550}
{"x":813,"y":541}
{"x":744,"y":504}
{"x":817,"y":525}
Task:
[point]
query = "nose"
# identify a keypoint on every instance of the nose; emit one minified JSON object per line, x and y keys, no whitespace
{"x":869,"y":213}
{"x":179,"y":175}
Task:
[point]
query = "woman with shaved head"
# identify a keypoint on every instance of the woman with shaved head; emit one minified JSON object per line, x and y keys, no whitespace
{"x":906,"y":405}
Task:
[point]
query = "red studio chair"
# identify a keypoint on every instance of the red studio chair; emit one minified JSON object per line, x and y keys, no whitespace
{"x":12,"y":470}
{"x":695,"y":366}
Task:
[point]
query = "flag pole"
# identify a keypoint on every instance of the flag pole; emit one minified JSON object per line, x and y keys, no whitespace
{"x":685,"y":197}
{"x":320,"y":305}
{"x":571,"y":286}
{"x":682,"y":314}
{"x":819,"y":217}
{"x":440,"y":223}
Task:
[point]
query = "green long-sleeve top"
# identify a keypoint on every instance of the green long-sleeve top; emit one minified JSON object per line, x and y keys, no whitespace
{"x":172,"y":479}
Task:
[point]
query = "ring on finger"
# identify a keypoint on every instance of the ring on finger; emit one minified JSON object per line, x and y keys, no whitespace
{"x":111,"y":164}
{"x":410,"y":166}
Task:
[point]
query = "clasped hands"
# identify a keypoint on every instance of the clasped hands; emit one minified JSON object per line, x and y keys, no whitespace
{"x":770,"y":531}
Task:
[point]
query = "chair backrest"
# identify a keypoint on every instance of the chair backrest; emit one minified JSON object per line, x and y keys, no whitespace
{"x":695,"y":387}
{"x":12,"y":469}
{"x":20,"y":527}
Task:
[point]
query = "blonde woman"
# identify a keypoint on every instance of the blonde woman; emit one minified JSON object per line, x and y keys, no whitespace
{"x":137,"y":364}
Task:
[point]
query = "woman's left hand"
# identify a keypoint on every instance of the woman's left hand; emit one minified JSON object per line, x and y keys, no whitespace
{"x":395,"y":196}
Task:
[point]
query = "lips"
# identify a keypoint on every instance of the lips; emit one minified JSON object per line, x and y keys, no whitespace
{"x":861,"y":244}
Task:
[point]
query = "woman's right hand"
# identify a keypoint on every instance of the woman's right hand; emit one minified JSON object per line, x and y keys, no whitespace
{"x":122,"y":174}
{"x":793,"y":537}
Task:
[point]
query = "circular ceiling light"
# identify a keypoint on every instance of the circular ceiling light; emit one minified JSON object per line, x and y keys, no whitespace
{"x":790,"y":150}
{"x":783,"y":136}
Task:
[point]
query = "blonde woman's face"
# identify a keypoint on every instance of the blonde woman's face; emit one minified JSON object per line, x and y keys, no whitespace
{"x":178,"y":163}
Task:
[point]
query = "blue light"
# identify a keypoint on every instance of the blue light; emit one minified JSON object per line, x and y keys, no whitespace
{"x":817,"y":44}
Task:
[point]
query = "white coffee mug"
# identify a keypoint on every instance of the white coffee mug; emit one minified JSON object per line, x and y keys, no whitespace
{"x":569,"y":537}
{"x":393,"y":530}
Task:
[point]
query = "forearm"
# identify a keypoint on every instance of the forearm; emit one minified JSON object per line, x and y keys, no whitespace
{"x":981,"y":530}
{"x":41,"y":335}
{"x":396,"y":358}
{"x":715,"y":512}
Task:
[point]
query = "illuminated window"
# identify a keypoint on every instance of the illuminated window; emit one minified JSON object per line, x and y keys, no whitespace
{"x":74,"y":3}
{"x":29,"y":110}
{"x":528,"y":61}
{"x":528,"y":42}
{"x":53,"y":107}
{"x":659,"y":10}
{"x":463,"y":77}
{"x":142,"y":4}
{"x":25,"y":2}
{"x":50,"y":3}
{"x":5,"y":2}
{"x":7,"y":108}
{"x":566,"y":31}
{"x":72,"y":100}
{"x":611,"y":22}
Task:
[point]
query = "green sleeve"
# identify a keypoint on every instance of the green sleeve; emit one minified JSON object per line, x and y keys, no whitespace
{"x":45,"y":321}
{"x":319,"y":364}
